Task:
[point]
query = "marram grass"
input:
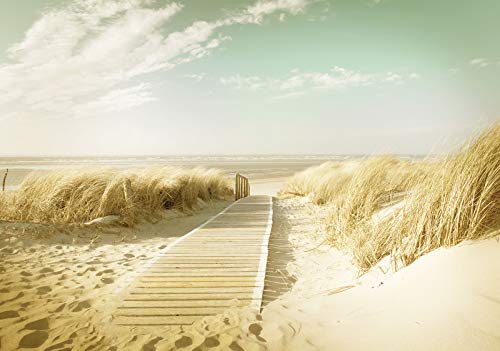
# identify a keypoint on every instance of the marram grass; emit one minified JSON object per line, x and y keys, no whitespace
{"x":77,"y":196}
{"x":387,"y":206}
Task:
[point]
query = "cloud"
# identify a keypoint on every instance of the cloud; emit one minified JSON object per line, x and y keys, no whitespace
{"x":87,"y":54}
{"x":479,"y":62}
{"x":297,"y":83}
{"x":120,"y":100}
{"x":239,"y":82}
{"x":262,"y":8}
{"x":196,"y":76}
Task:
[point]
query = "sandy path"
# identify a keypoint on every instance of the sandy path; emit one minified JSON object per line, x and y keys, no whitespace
{"x":59,"y":288}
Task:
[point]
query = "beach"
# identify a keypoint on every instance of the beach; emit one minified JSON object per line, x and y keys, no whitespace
{"x":63,"y":272}
{"x":258,"y":168}
{"x":251,"y":175}
{"x":62,"y":289}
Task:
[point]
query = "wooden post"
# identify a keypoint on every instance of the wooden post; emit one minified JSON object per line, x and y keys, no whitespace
{"x":236,"y":187}
{"x":4,"y":179}
{"x":241,"y":187}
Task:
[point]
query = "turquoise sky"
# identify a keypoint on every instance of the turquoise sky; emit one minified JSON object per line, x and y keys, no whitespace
{"x":277,"y":76}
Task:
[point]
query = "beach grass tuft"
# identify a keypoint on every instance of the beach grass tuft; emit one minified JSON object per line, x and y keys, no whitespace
{"x":388,"y":206}
{"x":78,"y":196}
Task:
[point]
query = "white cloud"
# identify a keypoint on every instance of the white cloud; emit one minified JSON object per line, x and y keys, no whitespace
{"x":262,"y":8}
{"x":297,"y":83}
{"x":120,"y":100}
{"x":196,"y":76}
{"x":479,"y":62}
{"x":84,"y":55}
{"x":239,"y":82}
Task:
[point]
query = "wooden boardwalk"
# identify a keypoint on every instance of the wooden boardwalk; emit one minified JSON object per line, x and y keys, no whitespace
{"x":220,"y":264}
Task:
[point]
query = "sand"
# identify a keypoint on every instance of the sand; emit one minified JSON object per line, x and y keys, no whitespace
{"x":447,"y":300}
{"x":268,"y":185}
{"x":59,"y":288}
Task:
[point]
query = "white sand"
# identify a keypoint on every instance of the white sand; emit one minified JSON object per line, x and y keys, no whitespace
{"x":447,"y":300}
{"x":54,"y":291}
{"x":267,"y":186}
{"x":59,"y":286}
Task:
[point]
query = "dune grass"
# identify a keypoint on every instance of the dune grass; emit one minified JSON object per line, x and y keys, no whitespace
{"x":77,"y":196}
{"x":387,"y":206}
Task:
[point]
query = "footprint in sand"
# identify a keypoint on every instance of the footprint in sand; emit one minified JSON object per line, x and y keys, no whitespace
{"x":41,"y":324}
{"x":235,"y":347}
{"x":104,"y":272}
{"x":9,"y":314}
{"x":46,"y":270}
{"x":211,"y":342}
{"x":34,"y":339}
{"x":184,"y":341}
{"x":24,"y":305}
{"x":256,"y":329}
{"x":60,"y":346}
{"x":26,"y":274}
{"x":18,"y":296}
{"x":107,"y":280}
{"x":80,"y":306}
{"x":60,"y":308}
{"x":43,"y":290}
{"x":150,"y":346}
{"x":129,"y":255}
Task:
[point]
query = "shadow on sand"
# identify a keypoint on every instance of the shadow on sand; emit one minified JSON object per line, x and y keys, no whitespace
{"x":278,"y":281}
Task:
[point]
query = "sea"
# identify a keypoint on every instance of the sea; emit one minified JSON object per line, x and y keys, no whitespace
{"x":252,"y":166}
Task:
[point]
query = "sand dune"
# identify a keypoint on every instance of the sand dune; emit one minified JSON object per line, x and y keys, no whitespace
{"x":447,"y":300}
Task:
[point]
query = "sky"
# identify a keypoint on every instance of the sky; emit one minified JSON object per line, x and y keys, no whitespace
{"x":146,"y":77}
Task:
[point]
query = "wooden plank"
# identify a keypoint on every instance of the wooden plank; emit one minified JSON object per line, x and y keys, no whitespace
{"x":197,"y":279}
{"x":234,"y":255}
{"x":207,"y":260}
{"x":201,"y":296}
{"x":169,"y":311}
{"x":155,"y":321}
{"x":200,"y":274}
{"x":168,"y":284}
{"x":138,"y":303}
{"x":203,"y":270}
{"x":191,"y":290}
{"x":205,"y":265}
{"x":218,"y":265}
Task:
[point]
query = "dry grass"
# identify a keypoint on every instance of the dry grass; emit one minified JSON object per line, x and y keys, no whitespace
{"x":78,"y":196}
{"x":389,"y":206}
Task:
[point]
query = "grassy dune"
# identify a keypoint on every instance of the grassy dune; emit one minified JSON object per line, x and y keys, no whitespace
{"x":386,"y":206}
{"x":78,"y":196}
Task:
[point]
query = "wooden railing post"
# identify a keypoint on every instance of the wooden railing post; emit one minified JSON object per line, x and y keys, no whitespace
{"x":241,"y":187}
{"x":237,"y":187}
{"x":4,"y":179}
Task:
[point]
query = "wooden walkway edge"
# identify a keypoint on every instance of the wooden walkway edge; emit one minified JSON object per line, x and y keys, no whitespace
{"x":221,"y":263}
